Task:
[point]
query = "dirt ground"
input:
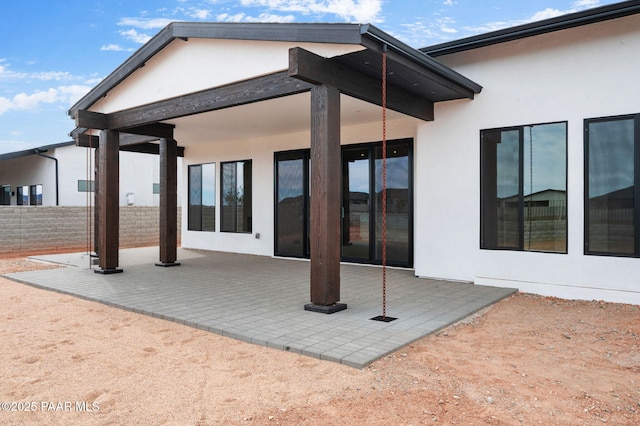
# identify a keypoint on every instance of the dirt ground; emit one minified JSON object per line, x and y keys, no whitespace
{"x":527,"y":360}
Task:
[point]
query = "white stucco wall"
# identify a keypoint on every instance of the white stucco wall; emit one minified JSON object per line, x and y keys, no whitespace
{"x":138,"y":172}
{"x":569,"y":75}
{"x":199,"y":64}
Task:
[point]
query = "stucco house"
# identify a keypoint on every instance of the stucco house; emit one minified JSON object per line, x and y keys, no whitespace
{"x":281,"y":126}
{"x":62,"y":174}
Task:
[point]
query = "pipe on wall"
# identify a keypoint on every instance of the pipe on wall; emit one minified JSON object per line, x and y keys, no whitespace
{"x":38,"y":152}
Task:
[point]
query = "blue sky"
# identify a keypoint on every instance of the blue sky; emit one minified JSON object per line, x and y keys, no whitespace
{"x":53,"y":52}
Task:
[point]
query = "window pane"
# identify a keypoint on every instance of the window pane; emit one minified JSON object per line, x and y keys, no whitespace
{"x":356,"y":199}
{"x":22,"y":196}
{"x":611,"y":186}
{"x":290,"y":214}
{"x":545,"y":187}
{"x":195,"y":198}
{"x":208,"y":197}
{"x":35,"y":195}
{"x":500,"y":188}
{"x":236,"y":197}
{"x":397,"y":204}
{"x":5,"y":195}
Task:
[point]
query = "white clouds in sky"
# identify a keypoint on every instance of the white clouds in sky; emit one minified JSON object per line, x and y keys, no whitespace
{"x":362,"y":11}
{"x":263,"y":17}
{"x":67,"y":94}
{"x":61,"y":94}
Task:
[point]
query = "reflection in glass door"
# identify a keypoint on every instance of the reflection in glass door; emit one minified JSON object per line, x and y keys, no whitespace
{"x":361,"y":203}
{"x":398,"y":205}
{"x":292,"y":204}
{"x":356,"y":203}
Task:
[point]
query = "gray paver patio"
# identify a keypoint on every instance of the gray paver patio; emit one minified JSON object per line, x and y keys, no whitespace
{"x":261,"y":300}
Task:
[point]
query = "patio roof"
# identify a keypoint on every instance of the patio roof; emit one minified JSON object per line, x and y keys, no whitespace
{"x":413,"y":70}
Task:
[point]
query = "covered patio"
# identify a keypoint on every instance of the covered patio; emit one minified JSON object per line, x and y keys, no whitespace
{"x":257,"y":299}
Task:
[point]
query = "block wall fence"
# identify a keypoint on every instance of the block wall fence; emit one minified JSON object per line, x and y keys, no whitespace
{"x":27,"y":230}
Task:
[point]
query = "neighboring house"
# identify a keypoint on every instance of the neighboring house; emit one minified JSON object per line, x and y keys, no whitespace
{"x":281,"y":130}
{"x":62,"y":174}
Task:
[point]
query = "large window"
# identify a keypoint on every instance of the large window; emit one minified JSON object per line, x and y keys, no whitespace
{"x":202,"y":197}
{"x":22,"y":196}
{"x":612,"y":185}
{"x":5,"y":195}
{"x":236,"y":197}
{"x":35,"y":195}
{"x":524,"y":188}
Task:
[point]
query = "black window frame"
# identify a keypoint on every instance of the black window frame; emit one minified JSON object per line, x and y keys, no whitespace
{"x":5,"y":195}
{"x":635,"y":191}
{"x":197,"y":222}
{"x":247,"y":199}
{"x":33,"y":195}
{"x":298,"y":154}
{"x":521,"y":203}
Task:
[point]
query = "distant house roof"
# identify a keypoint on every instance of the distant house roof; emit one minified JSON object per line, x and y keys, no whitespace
{"x":440,"y":79}
{"x":598,"y":14}
{"x":33,"y":151}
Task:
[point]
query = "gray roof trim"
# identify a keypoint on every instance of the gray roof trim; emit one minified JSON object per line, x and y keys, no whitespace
{"x":591,"y":16}
{"x":420,"y":58}
{"x":33,"y":151}
{"x":356,"y":34}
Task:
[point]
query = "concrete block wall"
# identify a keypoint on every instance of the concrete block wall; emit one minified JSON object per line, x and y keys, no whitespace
{"x":26,"y":230}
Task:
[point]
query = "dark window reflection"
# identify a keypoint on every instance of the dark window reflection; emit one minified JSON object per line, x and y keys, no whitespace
{"x":524,"y":189}
{"x":202,"y":196}
{"x":611,"y":183}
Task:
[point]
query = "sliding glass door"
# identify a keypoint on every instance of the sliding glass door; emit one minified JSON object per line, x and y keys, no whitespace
{"x":362,"y":235}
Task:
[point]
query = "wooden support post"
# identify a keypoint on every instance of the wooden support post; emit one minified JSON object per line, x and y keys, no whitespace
{"x":96,"y":203}
{"x":325,"y":200}
{"x":168,"y":202}
{"x":108,"y":200}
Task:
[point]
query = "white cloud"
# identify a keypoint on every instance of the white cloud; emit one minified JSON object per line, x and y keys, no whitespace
{"x":115,"y":48}
{"x":199,"y":13}
{"x":7,"y":74}
{"x":29,"y":102}
{"x":546,"y":14}
{"x":449,"y":2}
{"x":363,"y":11}
{"x":135,"y":36}
{"x":263,"y":17}
{"x":144,"y":23}
{"x":585,"y":4}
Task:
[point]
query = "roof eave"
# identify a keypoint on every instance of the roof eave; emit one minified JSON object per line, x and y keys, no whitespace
{"x":599,"y":14}
{"x":33,"y":151}
{"x":379,"y":36}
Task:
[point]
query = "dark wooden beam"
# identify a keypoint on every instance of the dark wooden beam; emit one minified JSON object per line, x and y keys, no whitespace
{"x":168,"y":203}
{"x":92,"y":120}
{"x":130,"y":143}
{"x":108,"y":200}
{"x":325,"y":200}
{"x":245,"y":92}
{"x":149,"y":148}
{"x":315,"y":69}
{"x":158,"y":130}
